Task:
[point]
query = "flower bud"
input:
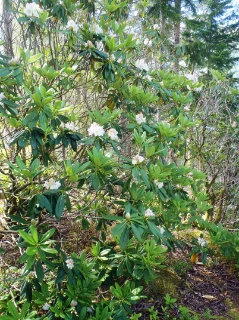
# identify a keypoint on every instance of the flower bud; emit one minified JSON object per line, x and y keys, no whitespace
{"x":127,"y":216}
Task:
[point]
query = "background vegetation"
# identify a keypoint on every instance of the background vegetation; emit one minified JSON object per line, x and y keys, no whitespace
{"x":119,"y":147}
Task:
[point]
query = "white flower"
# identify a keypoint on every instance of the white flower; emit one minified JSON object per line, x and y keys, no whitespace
{"x":32,"y":10}
{"x":141,"y":64}
{"x":158,"y":184}
{"x":73,"y":303}
{"x":89,"y":44}
{"x":2,"y":96}
{"x":52,"y":184}
{"x":137,"y":159}
{"x":13,"y":61}
{"x":99,"y":45}
{"x":148,"y":42}
{"x":112,"y":57}
{"x":149,"y":78}
{"x":140,"y":118}
{"x":156,"y":26}
{"x":98,"y":29}
{"x":127,"y":216}
{"x":72,"y":26}
{"x":149,"y":213}
{"x":182,"y":63}
{"x":202,"y":242}
{"x":186,"y":108}
{"x":46,"y":307}
{"x":199,"y":89}
{"x":113,"y":134}
{"x":234,"y":124}
{"x":70,"y":263}
{"x":96,"y":130}
{"x":71,"y":126}
{"x":161,"y":229}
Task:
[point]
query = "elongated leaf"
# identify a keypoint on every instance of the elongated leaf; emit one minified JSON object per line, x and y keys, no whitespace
{"x":44,"y":203}
{"x":35,"y":57}
{"x":34,"y":233}
{"x":39,"y":271}
{"x":27,"y":237}
{"x":60,"y":207}
{"x":154,"y":229}
{"x":47,"y":235}
{"x":136,"y":232}
{"x":112,"y":217}
{"x":31,"y":251}
{"x":124,"y":238}
{"x":49,"y":250}
{"x":13,"y":310}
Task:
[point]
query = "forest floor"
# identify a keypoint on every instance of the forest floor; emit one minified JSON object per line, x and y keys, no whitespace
{"x":196,"y":291}
{"x":208,"y":291}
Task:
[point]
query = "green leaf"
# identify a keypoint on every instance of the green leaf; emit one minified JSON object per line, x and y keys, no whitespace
{"x":13,"y":310}
{"x":27,"y":237}
{"x":49,"y":250}
{"x":39,"y":271}
{"x":145,"y":177}
{"x":112,"y":217}
{"x":154,"y":229}
{"x":35,"y":57}
{"x":47,"y":235}
{"x":4,"y":72}
{"x":136,"y":232}
{"x":44,"y":203}
{"x":59,"y":207}
{"x":20,"y":163}
{"x":6,"y":318}
{"x":2,"y":250}
{"x":61,"y":274}
{"x":34,"y":233}
{"x":31,"y":251}
{"x":124,"y":238}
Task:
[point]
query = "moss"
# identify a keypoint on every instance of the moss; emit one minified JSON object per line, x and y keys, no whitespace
{"x":233,"y":311}
{"x":167,"y":281}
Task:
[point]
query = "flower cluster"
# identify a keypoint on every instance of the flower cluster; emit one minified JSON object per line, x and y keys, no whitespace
{"x":13,"y":61}
{"x":141,"y":64}
{"x":202,"y":242}
{"x":140,"y":118}
{"x":147,"y":77}
{"x":32,"y":10}
{"x":137,"y":159}
{"x":158,"y":184}
{"x":71,"y":25}
{"x":149,"y":213}
{"x":71,"y":126}
{"x":52,"y":184}
{"x":148,"y":42}
{"x":70,"y":263}
{"x":156,"y":27}
{"x":89,"y":44}
{"x":46,"y":306}
{"x":113,"y":134}
{"x":186,"y":108}
{"x":96,"y":130}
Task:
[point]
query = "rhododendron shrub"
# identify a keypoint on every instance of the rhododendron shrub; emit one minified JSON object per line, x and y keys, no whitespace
{"x":91,"y":137}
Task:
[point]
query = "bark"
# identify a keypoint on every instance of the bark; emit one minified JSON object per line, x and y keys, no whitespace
{"x":7,"y":29}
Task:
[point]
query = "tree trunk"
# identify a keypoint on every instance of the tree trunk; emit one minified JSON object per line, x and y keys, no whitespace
{"x":7,"y":28}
